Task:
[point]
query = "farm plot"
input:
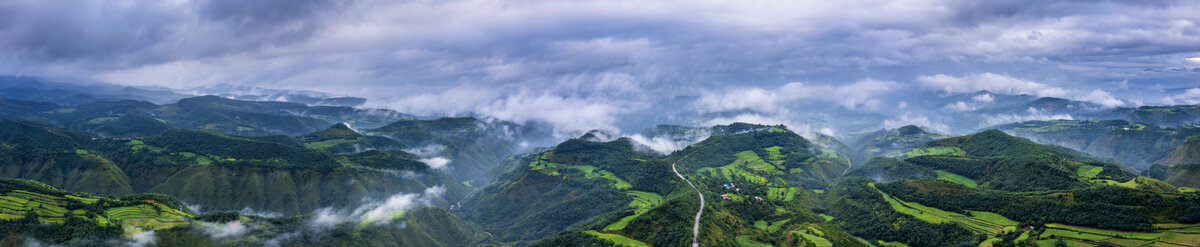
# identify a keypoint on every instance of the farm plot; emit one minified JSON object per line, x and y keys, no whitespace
{"x":981,"y":222}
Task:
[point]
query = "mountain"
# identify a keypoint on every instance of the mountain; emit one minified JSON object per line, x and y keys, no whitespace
{"x":215,"y":170}
{"x":1004,"y":190}
{"x":33,"y":213}
{"x":1000,"y":161}
{"x":1187,"y":153}
{"x":893,"y":142}
{"x":588,"y":191}
{"x":73,"y":94}
{"x":59,"y":157}
{"x":35,"y":210}
{"x":1132,"y":144}
{"x":341,"y":139}
{"x":1167,"y":116}
{"x":1183,"y":175}
{"x":471,"y":146}
{"x":249,"y":93}
{"x":130,"y":118}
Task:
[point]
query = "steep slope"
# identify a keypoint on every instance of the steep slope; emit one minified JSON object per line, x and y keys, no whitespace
{"x":573,"y":182}
{"x":589,"y":192}
{"x":43,"y":212}
{"x":215,"y":170}
{"x":59,"y":157}
{"x":230,"y":173}
{"x":893,"y":142}
{"x":130,"y":118}
{"x":941,"y":213}
{"x":1188,"y":153}
{"x":32,"y":211}
{"x":341,"y":139}
{"x":1167,"y":116}
{"x":472,"y":146}
{"x":1183,"y":175}
{"x":1133,"y":144}
{"x":996,"y":160}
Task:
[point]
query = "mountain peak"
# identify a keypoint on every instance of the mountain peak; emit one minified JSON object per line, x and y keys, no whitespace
{"x":337,"y":130}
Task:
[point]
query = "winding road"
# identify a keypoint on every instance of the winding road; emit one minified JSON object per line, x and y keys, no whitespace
{"x":696,"y":225}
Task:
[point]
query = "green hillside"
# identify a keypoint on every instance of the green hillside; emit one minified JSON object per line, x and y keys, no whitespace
{"x":588,"y":192}
{"x":893,"y":142}
{"x":1188,"y":153}
{"x":215,"y":170}
{"x":995,"y":160}
{"x":30,"y":209}
{"x":1132,"y":144}
{"x":473,"y":146}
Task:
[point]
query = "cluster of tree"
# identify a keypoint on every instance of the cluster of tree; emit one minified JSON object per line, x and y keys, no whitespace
{"x":1098,"y":208}
{"x":864,"y":213}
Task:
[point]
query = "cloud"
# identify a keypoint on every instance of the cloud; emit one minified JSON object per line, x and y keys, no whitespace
{"x":983,"y":98}
{"x":990,"y":82}
{"x":862,"y":94}
{"x":232,"y":229}
{"x":1102,"y":98}
{"x":959,"y":106}
{"x":141,"y":239}
{"x":1033,"y":114}
{"x":582,"y":65}
{"x":804,"y":130}
{"x":383,"y":212}
{"x":923,"y":121}
{"x":436,"y":162}
{"x":756,"y":99}
{"x":375,"y":212}
{"x":668,"y":144}
{"x":1190,"y":96}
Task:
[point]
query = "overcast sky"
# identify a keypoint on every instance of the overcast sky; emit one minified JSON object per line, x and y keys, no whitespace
{"x":581,"y":64}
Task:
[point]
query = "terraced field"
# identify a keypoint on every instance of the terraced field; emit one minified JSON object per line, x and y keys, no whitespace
{"x":980,"y":222}
{"x":1171,"y":235}
{"x":53,"y":206}
{"x":748,"y":166}
{"x":1087,"y":171}
{"x":941,"y":150}
{"x":618,"y":239}
{"x":590,"y":172}
{"x":151,"y":216}
{"x":955,"y":178}
{"x":642,"y":202}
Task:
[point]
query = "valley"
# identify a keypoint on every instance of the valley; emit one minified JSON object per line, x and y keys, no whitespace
{"x":208,"y":171}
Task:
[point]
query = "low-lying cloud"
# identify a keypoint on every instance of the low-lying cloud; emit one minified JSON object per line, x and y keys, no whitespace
{"x":376,"y":212}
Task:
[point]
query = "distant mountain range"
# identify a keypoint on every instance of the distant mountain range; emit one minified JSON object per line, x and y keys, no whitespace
{"x":106,"y":165}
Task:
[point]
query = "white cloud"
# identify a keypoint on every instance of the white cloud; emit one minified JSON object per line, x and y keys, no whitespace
{"x":983,"y":98}
{"x":668,"y":144}
{"x":436,"y":162}
{"x":862,"y":94}
{"x":959,"y":106}
{"x":376,"y":212}
{"x":923,"y":121}
{"x":230,"y":229}
{"x":1033,"y":114}
{"x":381,"y":213}
{"x":141,"y":239}
{"x":1188,"y":97}
{"x":1102,"y":98}
{"x":990,"y":82}
{"x":1194,"y":60}
{"x":804,"y":130}
{"x":756,"y":99}
{"x":570,"y":116}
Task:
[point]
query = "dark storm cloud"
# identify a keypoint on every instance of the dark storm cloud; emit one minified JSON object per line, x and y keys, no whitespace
{"x":537,"y":60}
